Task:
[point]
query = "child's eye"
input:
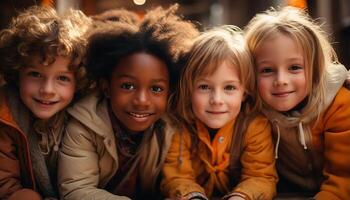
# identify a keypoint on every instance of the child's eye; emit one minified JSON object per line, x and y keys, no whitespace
{"x":127,"y":86}
{"x":230,"y":87}
{"x":34,"y":74}
{"x":156,"y":89}
{"x":295,"y":67}
{"x":64,"y":78}
{"x":203,"y":87}
{"x":266,"y":70}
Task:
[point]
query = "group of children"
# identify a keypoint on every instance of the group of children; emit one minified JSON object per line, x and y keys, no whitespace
{"x":117,"y":107}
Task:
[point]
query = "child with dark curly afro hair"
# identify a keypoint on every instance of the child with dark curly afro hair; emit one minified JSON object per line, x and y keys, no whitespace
{"x":40,"y":56}
{"x":118,"y":137}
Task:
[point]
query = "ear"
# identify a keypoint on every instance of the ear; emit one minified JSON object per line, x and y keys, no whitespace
{"x":105,"y":88}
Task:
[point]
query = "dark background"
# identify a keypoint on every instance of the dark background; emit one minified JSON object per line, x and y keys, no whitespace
{"x":334,"y":13}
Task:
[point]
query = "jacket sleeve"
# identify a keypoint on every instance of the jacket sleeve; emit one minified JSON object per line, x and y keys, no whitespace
{"x":179,"y":176}
{"x":78,"y":170}
{"x":259,"y":176}
{"x":337,"y":149}
{"x":10,"y":179}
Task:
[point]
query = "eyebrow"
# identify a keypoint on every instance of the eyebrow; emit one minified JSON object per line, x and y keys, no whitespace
{"x":208,"y":80}
{"x":133,"y":77}
{"x":296,"y":58}
{"x":40,"y":68}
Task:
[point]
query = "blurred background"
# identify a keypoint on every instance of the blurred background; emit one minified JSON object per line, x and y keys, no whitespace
{"x":207,"y":13}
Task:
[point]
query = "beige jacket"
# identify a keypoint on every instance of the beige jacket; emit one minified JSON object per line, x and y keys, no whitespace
{"x":89,"y":159}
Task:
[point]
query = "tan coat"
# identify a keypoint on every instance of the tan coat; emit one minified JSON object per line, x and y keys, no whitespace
{"x":89,"y":157}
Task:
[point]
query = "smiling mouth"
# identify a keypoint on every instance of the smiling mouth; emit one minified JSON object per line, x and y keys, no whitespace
{"x":282,"y":94}
{"x":216,"y":112}
{"x":140,"y":115}
{"x":45,"y":102}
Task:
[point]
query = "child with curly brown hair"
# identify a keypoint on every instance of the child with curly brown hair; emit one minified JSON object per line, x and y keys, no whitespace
{"x":118,"y":137}
{"x":40,"y":56}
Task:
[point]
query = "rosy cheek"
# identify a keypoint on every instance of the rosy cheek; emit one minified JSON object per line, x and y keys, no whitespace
{"x":260,"y":88}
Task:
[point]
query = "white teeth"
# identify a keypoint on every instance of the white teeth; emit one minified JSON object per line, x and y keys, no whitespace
{"x":139,"y":115}
{"x":46,"y":102}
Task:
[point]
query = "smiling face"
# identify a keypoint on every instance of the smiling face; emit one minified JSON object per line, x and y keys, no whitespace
{"x":45,"y":90}
{"x":138,"y":91}
{"x":217,"y":98}
{"x":281,"y":73}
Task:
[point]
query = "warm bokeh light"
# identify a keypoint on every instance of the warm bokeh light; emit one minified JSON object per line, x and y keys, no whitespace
{"x":50,"y":3}
{"x":139,"y":2}
{"x":298,"y":3}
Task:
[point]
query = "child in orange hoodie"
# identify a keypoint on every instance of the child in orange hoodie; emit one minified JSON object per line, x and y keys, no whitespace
{"x":225,"y":149}
{"x":300,"y":91}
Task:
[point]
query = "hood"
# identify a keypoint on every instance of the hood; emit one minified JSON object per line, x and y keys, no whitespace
{"x":336,"y":74}
{"x":92,"y":112}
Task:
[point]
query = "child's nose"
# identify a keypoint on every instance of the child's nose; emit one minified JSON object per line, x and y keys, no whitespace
{"x":142,"y":98}
{"x":216,"y":97}
{"x":47,"y":87}
{"x":281,"y":79}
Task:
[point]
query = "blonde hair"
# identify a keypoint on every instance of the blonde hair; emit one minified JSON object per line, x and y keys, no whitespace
{"x":39,"y":32}
{"x":209,"y":51}
{"x":307,"y":33}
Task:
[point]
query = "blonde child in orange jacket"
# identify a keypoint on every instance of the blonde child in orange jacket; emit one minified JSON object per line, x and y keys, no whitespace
{"x":224,"y":148}
{"x":300,"y":90}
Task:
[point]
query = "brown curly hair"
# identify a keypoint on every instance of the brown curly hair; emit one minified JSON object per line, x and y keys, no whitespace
{"x":117,"y":15}
{"x":160,"y":33}
{"x":39,"y":32}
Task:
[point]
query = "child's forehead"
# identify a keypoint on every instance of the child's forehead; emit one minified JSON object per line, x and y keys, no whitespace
{"x":59,"y":62}
{"x":138,"y":64}
{"x":268,"y":40}
{"x":214,"y":68}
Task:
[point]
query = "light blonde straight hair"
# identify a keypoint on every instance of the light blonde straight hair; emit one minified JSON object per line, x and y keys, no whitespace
{"x":307,"y":33}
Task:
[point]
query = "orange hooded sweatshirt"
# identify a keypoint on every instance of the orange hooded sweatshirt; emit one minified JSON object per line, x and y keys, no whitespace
{"x":207,"y":169}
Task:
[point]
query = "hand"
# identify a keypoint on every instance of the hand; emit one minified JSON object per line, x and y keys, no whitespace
{"x":236,"y":198}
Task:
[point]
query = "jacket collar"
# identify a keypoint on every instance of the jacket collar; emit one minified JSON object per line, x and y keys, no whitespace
{"x":92,"y":112}
{"x":5,"y":112}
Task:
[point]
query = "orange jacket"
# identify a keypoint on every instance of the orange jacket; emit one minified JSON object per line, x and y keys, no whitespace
{"x":208,"y":169}
{"x":331,"y":136}
{"x":15,"y":164}
{"x":322,"y":163}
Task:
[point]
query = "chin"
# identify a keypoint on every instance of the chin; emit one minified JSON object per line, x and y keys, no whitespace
{"x":215,"y":126}
{"x":282,"y":109}
{"x":44,"y":117}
